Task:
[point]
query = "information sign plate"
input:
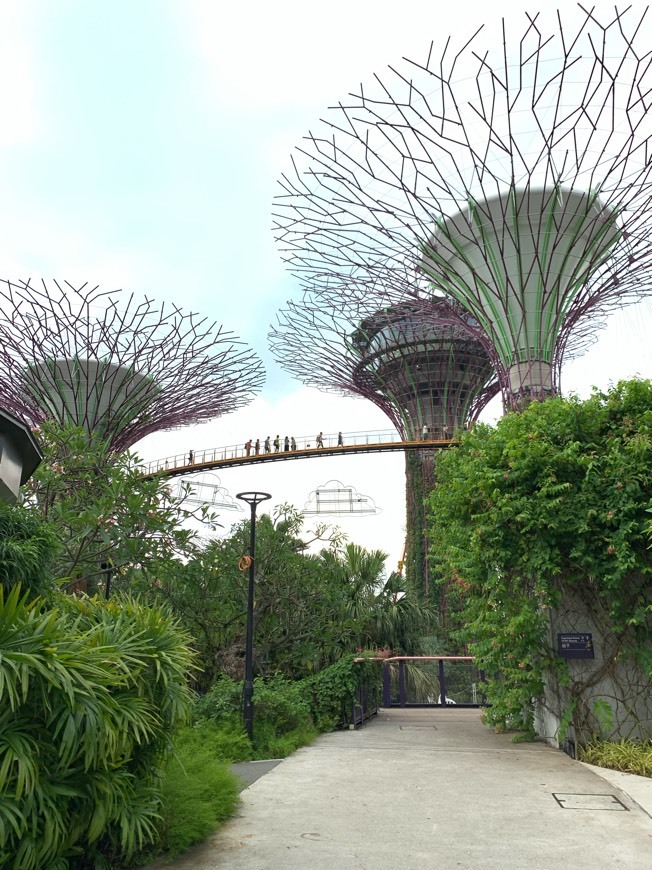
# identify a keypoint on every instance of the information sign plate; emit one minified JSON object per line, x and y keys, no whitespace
{"x":575,"y":646}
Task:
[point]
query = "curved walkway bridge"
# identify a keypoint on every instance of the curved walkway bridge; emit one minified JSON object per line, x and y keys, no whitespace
{"x":380,"y":441}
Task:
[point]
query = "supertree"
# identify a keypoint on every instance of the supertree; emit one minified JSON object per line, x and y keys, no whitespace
{"x":510,"y":172}
{"x":118,"y":367}
{"x":420,"y":362}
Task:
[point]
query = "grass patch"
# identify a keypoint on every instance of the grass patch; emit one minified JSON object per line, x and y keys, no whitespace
{"x":269,"y":744}
{"x":626,"y":756}
{"x":226,"y":739}
{"x":199,"y":790}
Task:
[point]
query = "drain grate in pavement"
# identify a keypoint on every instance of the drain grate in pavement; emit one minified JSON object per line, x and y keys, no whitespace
{"x":417,"y":727}
{"x":589,"y":802}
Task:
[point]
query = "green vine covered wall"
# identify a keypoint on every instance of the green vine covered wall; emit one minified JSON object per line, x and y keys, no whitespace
{"x":543,"y":525}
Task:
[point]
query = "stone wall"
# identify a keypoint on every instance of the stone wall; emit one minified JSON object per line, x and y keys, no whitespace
{"x":611,"y":693}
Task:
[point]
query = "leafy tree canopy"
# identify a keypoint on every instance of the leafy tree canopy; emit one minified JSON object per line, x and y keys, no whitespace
{"x":310,"y":609}
{"x":104,"y":513}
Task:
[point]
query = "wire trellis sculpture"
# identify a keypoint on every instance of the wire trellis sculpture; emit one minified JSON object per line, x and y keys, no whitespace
{"x":206,"y":490}
{"x":420,"y":362}
{"x":335,"y":498}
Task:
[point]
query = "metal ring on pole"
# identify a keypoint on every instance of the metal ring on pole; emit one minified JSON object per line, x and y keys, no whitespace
{"x":244,"y":563}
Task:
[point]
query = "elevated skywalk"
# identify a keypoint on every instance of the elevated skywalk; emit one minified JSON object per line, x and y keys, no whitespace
{"x":305,"y":447}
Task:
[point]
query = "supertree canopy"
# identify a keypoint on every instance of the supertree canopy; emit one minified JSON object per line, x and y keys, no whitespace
{"x":117,"y":367}
{"x":419,"y":361}
{"x":510,"y":172}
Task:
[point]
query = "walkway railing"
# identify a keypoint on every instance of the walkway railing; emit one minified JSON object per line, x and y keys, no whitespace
{"x":332,"y":442}
{"x":365,"y":704}
{"x":444,"y":681}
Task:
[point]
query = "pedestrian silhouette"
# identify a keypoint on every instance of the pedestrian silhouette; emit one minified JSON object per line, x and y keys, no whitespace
{"x":257,"y":446}
{"x":319,"y":440}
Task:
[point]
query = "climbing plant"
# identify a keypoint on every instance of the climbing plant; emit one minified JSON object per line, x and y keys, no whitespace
{"x":551,"y":503}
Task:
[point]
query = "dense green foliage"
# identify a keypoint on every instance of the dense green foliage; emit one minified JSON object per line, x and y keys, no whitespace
{"x":282,"y":719}
{"x":28,"y":549}
{"x":105,"y":514}
{"x":553,"y":499}
{"x":90,"y":693}
{"x":293,"y":710}
{"x":415,"y":534}
{"x":295,"y":611}
{"x":309,"y":609}
{"x":199,"y":791}
{"x":625,"y":755}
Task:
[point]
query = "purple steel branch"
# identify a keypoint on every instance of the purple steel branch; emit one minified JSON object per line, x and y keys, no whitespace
{"x":559,"y":109}
{"x":116,"y":366}
{"x":420,"y":361}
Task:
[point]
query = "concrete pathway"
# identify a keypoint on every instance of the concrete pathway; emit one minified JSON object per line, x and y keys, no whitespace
{"x":421,"y":789}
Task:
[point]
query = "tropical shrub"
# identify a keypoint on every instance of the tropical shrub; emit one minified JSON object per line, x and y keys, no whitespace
{"x":90,"y":693}
{"x":198,"y":790}
{"x":28,"y":549}
{"x":281,"y":714}
{"x":290,"y":713}
{"x":223,"y":701}
{"x":625,"y":755}
{"x":332,"y":692}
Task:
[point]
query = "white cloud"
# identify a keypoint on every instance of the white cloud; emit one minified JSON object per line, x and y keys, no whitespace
{"x":291,"y":54}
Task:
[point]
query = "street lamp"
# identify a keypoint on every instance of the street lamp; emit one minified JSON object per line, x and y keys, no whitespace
{"x":253,"y":499}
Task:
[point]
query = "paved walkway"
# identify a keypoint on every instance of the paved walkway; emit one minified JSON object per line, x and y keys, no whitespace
{"x":419,"y":789}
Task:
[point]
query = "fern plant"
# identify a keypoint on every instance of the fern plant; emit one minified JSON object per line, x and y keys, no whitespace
{"x":89,"y":694}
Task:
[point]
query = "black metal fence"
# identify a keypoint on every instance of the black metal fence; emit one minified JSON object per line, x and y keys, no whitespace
{"x":365,"y":705}
{"x":432,"y":681}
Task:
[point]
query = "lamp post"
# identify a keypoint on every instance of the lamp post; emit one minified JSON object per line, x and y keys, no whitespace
{"x":253,"y":499}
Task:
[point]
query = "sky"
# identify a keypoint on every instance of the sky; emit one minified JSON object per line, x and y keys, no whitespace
{"x":140,"y":148}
